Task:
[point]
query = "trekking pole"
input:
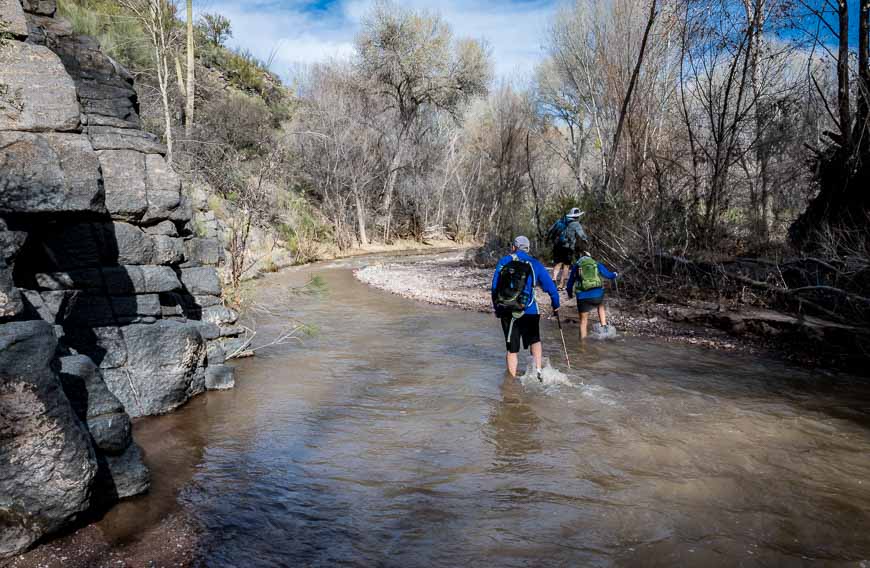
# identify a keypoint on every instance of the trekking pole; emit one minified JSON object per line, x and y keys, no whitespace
{"x":564,"y":347}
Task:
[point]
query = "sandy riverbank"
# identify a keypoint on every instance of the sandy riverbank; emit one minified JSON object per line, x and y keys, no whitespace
{"x":450,"y":280}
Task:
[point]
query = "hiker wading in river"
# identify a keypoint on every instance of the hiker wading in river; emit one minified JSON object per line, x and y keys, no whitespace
{"x":585,"y":282}
{"x":567,"y":235}
{"x":513,"y":298}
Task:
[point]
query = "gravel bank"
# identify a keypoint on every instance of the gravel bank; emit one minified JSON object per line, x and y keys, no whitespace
{"x":450,"y":280}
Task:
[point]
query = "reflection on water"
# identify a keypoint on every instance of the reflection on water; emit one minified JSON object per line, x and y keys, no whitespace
{"x":393,"y":438}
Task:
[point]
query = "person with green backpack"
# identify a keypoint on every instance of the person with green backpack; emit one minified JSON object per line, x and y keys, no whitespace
{"x":513,"y":299}
{"x":585,"y":283}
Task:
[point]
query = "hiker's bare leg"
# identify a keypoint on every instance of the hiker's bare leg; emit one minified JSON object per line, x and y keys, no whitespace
{"x":556,"y":270}
{"x":602,"y":315}
{"x":537,"y":353}
{"x":512,"y":359}
{"x":584,"y":323}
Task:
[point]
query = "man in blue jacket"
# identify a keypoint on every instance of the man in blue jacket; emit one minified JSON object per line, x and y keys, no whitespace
{"x":585,"y":282}
{"x":513,"y":299}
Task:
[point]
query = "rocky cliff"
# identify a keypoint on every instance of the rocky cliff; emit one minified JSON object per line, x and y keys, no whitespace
{"x":110,"y":305}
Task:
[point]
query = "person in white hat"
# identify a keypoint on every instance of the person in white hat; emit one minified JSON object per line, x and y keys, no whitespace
{"x":566,"y":234}
{"x":513,"y":299}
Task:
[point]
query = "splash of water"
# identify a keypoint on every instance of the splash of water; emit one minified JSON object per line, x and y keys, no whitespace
{"x":549,"y":376}
{"x":602,"y":333}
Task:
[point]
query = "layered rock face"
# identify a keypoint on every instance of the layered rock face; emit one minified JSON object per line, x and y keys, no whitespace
{"x":109,"y":305}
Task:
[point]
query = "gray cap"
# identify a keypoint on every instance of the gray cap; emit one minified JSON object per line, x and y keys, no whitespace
{"x":522,"y":243}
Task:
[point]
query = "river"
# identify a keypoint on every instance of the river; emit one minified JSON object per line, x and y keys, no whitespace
{"x":391,"y":437}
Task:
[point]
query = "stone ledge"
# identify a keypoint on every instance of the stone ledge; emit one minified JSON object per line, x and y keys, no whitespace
{"x":39,"y":95}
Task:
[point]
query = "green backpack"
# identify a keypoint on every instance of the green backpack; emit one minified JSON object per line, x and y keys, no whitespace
{"x":589,"y":277}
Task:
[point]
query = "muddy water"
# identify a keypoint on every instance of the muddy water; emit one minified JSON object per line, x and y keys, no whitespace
{"x":391,"y":438}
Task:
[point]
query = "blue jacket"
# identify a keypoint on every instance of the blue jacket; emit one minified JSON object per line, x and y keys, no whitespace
{"x":540,"y":277}
{"x":594,"y":292}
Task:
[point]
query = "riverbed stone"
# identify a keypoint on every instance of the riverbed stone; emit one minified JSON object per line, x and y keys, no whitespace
{"x":111,"y":433}
{"x":47,"y":462}
{"x":162,"y":360}
{"x":49,"y":173}
{"x":219,"y":377}
{"x":12,"y":18}
{"x":124,"y":183}
{"x":37,"y":95}
{"x":128,"y":472}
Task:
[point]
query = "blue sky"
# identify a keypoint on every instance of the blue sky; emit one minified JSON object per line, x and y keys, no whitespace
{"x":300,"y":32}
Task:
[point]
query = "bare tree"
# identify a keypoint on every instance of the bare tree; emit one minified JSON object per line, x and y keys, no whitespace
{"x":157,"y":18}
{"x":190,"y":90}
{"x":415,"y":65}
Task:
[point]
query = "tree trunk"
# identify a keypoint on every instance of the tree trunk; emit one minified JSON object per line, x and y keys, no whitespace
{"x":360,"y":218}
{"x":843,"y":102}
{"x":389,"y":186}
{"x":191,"y":79}
{"x":179,"y":76}
{"x":863,"y":96}
{"x":627,"y":99}
{"x":163,"y":85}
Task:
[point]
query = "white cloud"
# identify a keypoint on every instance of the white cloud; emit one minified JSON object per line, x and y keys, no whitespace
{"x":292,"y":34}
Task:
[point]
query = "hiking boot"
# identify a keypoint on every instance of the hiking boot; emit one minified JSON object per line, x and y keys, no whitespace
{"x":540,"y":376}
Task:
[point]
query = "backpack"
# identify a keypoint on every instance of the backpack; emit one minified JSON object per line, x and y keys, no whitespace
{"x":589,"y":278}
{"x":556,"y":234}
{"x":510,"y":292}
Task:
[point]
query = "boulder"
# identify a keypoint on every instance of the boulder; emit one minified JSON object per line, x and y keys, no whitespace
{"x":167,"y":250}
{"x":201,"y":280}
{"x":166,"y":228}
{"x":111,"y":433}
{"x":12,"y":18}
{"x":111,"y":138}
{"x":162,"y":360}
{"x":41,"y":7}
{"x":85,"y":388}
{"x":11,"y":303}
{"x":10,"y":242}
{"x":219,"y":315}
{"x":95,"y":405}
{"x":219,"y":377}
{"x":128,"y":473}
{"x":124,"y":183}
{"x":38,"y":94}
{"x":113,"y":280}
{"x":164,"y":189}
{"x":47,"y":463}
{"x":49,"y":173}
{"x":202,"y":252}
{"x":215,"y":354}
{"x":44,"y":29}
{"x":136,"y":247}
{"x":53,"y":306}
{"x":105,"y":345}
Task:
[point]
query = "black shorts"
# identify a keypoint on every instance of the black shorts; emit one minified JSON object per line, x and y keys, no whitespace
{"x":527,"y":327}
{"x":589,"y":304}
{"x":562,"y":255}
